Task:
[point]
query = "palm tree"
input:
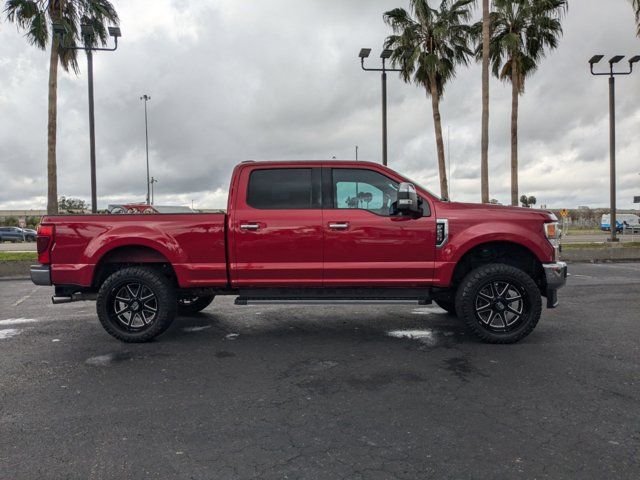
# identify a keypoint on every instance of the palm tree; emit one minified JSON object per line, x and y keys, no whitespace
{"x":36,"y":17}
{"x":521,"y":32}
{"x":484,"y":162}
{"x":636,"y":6}
{"x":428,"y":44}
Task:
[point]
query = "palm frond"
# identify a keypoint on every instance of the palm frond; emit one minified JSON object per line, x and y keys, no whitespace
{"x":430,"y":43}
{"x":522,"y":32}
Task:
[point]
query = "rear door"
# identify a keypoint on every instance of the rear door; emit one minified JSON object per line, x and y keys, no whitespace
{"x":276,"y":226}
{"x":364,"y":245}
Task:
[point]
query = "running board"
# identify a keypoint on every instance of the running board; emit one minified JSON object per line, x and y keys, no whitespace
{"x":310,"y":301}
{"x":335,"y":296}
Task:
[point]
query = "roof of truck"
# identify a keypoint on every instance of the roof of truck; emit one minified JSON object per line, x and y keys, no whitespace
{"x":310,"y":162}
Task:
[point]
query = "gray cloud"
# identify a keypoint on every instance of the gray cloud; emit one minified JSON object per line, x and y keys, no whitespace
{"x":231,"y":81}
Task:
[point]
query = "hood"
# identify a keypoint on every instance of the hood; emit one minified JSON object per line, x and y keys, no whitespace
{"x":495,"y":210}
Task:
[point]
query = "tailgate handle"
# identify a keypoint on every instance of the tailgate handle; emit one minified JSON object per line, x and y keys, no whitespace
{"x":339,"y":225}
{"x":249,"y":226}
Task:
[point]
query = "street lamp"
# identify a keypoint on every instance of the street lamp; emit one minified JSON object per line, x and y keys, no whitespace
{"x":385,"y":55}
{"x":146,"y":98}
{"x":88,"y":36}
{"x":612,"y":128}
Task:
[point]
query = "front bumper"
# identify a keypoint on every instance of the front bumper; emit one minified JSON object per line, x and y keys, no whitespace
{"x":41,"y":274}
{"x":556,"y":277}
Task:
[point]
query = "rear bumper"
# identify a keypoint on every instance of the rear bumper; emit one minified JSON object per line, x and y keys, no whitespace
{"x":41,"y":274}
{"x":556,"y":277}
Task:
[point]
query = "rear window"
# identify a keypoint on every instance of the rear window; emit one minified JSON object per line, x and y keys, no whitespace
{"x":280,"y":189}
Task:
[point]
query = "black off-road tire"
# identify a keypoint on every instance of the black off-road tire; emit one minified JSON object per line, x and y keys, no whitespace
{"x":473,"y":296}
{"x":152,"y":282}
{"x":191,"y":305}
{"x":450,"y":307}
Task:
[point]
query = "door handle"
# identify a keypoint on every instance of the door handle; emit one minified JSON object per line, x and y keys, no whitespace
{"x":249,"y":226}
{"x":339,"y":225}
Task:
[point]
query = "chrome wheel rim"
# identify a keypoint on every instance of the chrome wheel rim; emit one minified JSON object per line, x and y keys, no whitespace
{"x":500,"y":306}
{"x":135,"y":305}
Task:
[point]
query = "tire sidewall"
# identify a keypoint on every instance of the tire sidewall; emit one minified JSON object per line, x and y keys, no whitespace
{"x":159,"y":284}
{"x":477,"y":279}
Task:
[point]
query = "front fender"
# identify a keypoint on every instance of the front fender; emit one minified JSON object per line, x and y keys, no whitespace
{"x":463,"y":241}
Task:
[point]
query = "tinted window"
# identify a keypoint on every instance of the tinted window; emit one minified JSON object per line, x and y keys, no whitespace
{"x":280,"y":188}
{"x":363,"y":189}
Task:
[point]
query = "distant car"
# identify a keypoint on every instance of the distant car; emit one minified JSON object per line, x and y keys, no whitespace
{"x":15,"y":234}
{"x":30,"y":234}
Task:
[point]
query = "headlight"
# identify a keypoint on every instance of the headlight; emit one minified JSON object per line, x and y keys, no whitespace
{"x":551,"y":230}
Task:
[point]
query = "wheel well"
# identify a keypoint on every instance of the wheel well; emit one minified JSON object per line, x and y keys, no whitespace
{"x":499,"y":252}
{"x":130,"y":255}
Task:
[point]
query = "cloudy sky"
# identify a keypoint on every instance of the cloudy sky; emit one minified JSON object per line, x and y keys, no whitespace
{"x":231,"y":81}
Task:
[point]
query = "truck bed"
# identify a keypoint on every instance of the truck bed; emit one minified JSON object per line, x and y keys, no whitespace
{"x":193,"y":243}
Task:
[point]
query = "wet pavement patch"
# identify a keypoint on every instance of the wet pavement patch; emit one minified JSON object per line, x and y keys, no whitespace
{"x":9,"y":332}
{"x":462,"y":368}
{"x":224,"y":354}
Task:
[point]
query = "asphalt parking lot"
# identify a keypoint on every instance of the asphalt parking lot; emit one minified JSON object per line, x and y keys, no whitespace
{"x":323,"y":393}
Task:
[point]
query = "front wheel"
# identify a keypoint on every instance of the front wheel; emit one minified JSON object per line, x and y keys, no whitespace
{"x":499,"y":303}
{"x":189,"y":305}
{"x":136,"y":304}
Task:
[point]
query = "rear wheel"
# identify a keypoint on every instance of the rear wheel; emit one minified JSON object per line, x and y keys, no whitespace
{"x":499,"y":303}
{"x":188,"y":304}
{"x":136,"y":304}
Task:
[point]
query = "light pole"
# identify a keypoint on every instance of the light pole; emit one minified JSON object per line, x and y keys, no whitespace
{"x":88,"y":36}
{"x":146,"y":98}
{"x":613,"y":225}
{"x":386,"y":53}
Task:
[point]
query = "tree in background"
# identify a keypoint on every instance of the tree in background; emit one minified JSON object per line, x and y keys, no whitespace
{"x":72,"y":204}
{"x":484,"y":160}
{"x":36,"y":17}
{"x":636,"y":6}
{"x":528,"y":202}
{"x":521,"y":33}
{"x":428,"y":45}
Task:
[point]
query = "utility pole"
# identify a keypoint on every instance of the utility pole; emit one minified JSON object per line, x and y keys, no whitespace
{"x":386,"y":54}
{"x":613,"y":224}
{"x":146,"y":98}
{"x":89,"y":39}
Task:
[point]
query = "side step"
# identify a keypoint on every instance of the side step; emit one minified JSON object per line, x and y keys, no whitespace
{"x":334,"y":296}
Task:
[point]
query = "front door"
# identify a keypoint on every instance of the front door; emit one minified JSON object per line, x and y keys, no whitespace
{"x":363,"y":243}
{"x":276,"y":226}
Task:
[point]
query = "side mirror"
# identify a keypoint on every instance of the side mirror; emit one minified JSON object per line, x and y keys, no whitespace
{"x":407,"y":203}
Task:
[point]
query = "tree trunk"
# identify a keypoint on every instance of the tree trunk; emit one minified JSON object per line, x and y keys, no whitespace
{"x":52,"y":176}
{"x":442,"y":167}
{"x":515,"y":94}
{"x":484,"y":164}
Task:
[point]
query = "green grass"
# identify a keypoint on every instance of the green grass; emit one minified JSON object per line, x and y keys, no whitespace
{"x":17,"y":256}
{"x":578,"y":246}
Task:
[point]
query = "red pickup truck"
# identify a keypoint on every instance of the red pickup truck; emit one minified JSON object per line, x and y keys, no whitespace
{"x":309,"y":232}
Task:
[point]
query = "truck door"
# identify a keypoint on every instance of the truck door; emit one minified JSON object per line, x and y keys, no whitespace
{"x":276,"y":227}
{"x":363,"y":243}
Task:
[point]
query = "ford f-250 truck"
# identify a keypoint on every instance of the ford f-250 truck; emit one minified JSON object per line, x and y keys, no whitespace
{"x":309,"y":232}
